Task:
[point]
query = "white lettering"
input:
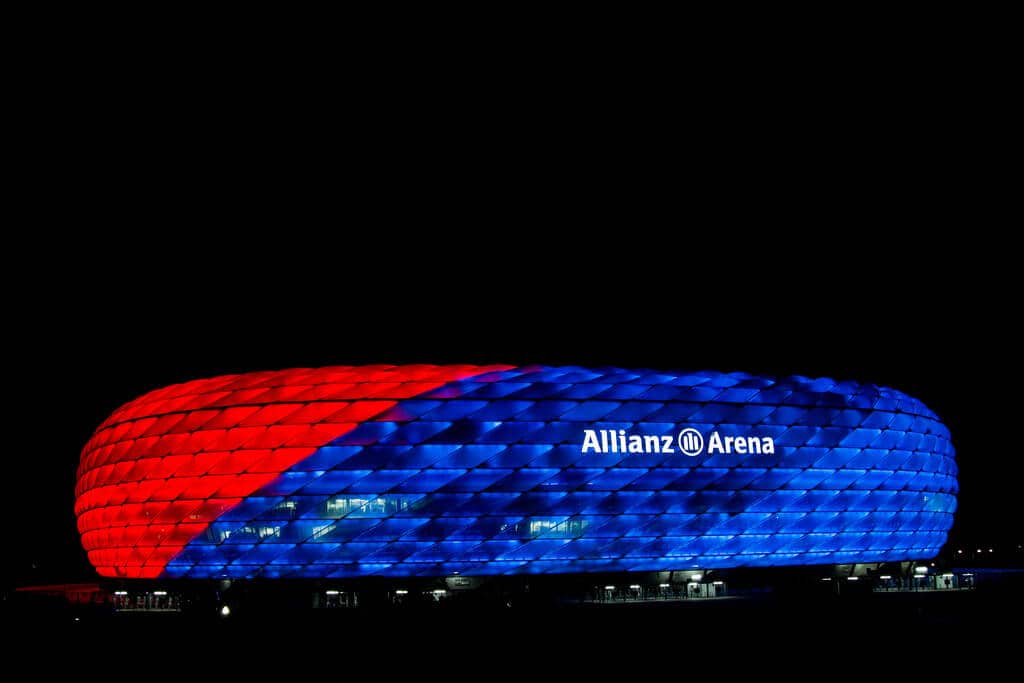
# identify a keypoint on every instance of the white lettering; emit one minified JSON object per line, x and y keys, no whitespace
{"x":617,"y":441}
{"x":715,"y":444}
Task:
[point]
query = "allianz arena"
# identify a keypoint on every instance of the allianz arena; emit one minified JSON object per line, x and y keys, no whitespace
{"x":422,"y":470}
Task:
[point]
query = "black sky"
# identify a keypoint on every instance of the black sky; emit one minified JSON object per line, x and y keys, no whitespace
{"x":905,"y":318}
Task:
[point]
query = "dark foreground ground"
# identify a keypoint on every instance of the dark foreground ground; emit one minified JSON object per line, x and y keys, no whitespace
{"x":980,"y":626}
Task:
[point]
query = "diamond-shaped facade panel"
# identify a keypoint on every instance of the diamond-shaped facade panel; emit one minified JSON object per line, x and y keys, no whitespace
{"x":424,"y":470}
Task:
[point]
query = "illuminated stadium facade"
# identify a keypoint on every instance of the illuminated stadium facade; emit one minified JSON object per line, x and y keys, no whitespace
{"x":429,"y":471}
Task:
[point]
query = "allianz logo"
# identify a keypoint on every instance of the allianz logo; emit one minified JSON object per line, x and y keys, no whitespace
{"x":689,"y":441}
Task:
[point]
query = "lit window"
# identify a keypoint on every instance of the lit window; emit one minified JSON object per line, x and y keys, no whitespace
{"x":285,"y":508}
{"x":339,"y":507}
{"x":569,"y":528}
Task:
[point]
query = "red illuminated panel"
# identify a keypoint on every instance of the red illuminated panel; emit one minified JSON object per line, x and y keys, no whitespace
{"x":162,"y":467}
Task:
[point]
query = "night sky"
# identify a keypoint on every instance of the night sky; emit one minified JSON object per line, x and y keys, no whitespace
{"x":124,"y":326}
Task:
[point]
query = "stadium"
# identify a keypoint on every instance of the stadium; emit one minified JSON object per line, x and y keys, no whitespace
{"x":465,"y":472}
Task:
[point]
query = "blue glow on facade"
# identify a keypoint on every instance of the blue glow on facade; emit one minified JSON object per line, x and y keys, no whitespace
{"x":487,"y":476}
